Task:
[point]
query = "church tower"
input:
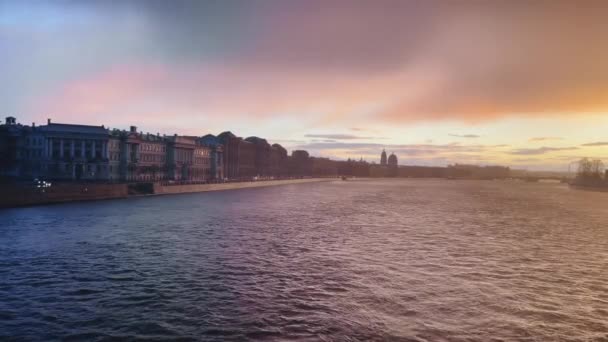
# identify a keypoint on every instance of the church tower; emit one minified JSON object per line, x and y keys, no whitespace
{"x":393,"y":166}
{"x":383,"y":158}
{"x":392,"y":160}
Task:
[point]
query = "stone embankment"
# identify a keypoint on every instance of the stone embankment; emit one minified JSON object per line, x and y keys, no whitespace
{"x":24,"y":195}
{"x":590,"y":187}
{"x":13,"y":195}
{"x":160,"y":189}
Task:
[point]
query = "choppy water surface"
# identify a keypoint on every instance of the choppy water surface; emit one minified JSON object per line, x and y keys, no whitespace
{"x":419,"y":260}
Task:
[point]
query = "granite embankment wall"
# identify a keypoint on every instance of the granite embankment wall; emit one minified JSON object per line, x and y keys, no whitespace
{"x":24,"y":195}
{"x":588,"y":187}
{"x":160,"y":189}
{"x":17,"y":195}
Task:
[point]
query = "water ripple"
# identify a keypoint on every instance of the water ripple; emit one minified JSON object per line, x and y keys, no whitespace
{"x":402,"y":260}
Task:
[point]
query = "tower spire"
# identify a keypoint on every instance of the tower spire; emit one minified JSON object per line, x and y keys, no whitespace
{"x":383,"y":160}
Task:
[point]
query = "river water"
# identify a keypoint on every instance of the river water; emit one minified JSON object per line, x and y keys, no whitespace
{"x":403,"y":260}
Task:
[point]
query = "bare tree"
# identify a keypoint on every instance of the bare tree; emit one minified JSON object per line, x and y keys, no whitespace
{"x":597,"y":168}
{"x":590,"y":170}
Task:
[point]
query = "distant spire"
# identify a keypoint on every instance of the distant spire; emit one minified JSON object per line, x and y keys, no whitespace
{"x":383,"y":159}
{"x":392,"y":160}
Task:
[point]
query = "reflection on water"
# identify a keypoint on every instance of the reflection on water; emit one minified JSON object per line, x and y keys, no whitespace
{"x":424,"y":260}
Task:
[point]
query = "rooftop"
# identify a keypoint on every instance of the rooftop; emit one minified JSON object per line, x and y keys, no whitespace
{"x":70,"y":128}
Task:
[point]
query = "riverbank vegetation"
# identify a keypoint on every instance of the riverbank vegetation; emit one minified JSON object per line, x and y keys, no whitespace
{"x":591,"y":172}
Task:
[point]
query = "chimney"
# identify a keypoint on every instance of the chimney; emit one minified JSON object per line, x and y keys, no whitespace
{"x":48,"y":121}
{"x":133,"y":129}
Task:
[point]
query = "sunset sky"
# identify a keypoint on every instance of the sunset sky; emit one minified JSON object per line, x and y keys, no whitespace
{"x":521,"y":83}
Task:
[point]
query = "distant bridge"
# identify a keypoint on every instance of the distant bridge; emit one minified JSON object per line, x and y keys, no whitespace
{"x":533,"y":179}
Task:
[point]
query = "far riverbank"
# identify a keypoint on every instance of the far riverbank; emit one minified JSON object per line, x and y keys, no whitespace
{"x":587,"y":187}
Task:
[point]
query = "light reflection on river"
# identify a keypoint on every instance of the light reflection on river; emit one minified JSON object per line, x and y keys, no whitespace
{"x":425,"y":260}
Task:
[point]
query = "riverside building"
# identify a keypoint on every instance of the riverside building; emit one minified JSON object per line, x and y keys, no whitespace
{"x":55,"y":150}
{"x":73,"y":152}
{"x":69,"y":152}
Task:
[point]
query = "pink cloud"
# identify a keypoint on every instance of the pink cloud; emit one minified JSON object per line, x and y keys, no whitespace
{"x":339,"y":62}
{"x":138,"y":92}
{"x":100,"y":94}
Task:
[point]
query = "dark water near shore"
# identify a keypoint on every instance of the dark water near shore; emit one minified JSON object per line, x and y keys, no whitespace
{"x":407,"y":260}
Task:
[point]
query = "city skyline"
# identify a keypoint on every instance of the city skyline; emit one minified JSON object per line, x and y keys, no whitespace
{"x":520,"y":84}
